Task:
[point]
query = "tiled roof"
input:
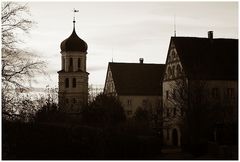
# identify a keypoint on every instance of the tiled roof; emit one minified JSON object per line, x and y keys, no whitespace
{"x":137,"y":79}
{"x":209,"y":59}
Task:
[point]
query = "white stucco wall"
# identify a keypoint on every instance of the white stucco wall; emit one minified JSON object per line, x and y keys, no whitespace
{"x":131,"y":103}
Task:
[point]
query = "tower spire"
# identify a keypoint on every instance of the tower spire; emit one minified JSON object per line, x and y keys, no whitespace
{"x":74,"y":11}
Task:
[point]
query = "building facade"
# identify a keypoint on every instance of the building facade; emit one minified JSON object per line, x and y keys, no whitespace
{"x":73,"y":77}
{"x":137,"y":85}
{"x":200,"y":88}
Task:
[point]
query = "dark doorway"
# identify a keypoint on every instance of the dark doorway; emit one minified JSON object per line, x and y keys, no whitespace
{"x":175,"y":137}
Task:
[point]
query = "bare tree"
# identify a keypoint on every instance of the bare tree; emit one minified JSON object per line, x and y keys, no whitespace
{"x":18,"y":66}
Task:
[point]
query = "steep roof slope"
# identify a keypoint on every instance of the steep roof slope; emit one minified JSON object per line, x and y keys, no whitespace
{"x":210,"y":59}
{"x":137,"y":79}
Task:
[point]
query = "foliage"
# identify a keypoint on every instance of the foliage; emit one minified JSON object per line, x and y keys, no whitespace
{"x":53,"y":141}
{"x":49,"y":110}
{"x":104,"y":110}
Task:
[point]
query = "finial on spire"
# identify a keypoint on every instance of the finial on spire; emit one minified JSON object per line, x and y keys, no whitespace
{"x":175,"y":32}
{"x":74,"y":10}
{"x":112,"y":54}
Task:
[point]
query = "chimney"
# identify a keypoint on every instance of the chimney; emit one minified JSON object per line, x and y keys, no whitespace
{"x":210,"y":35}
{"x":141,"y":60}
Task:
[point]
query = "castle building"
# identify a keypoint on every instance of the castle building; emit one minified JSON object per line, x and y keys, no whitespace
{"x":200,"y":90}
{"x":136,"y":85}
{"x":73,"y":77}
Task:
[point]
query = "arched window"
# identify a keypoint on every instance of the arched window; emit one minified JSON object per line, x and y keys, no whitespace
{"x":74,"y":82}
{"x":70,"y":64}
{"x":179,"y":70}
{"x":66,"y":83}
{"x":79,"y":63}
{"x":169,"y":71}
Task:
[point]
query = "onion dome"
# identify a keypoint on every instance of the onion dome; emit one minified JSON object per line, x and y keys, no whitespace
{"x":74,"y":43}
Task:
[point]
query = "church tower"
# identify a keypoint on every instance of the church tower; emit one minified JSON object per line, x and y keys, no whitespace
{"x":73,"y":77}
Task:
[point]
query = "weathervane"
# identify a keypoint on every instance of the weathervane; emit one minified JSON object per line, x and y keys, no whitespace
{"x":74,"y":11}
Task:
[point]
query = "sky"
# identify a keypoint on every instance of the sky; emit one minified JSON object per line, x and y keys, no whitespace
{"x":122,"y":31}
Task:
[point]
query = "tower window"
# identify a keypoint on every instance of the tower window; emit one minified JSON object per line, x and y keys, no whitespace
{"x":63,"y":63}
{"x":74,"y":82}
{"x":70,"y":64}
{"x":66,"y":83}
{"x":79,"y":63}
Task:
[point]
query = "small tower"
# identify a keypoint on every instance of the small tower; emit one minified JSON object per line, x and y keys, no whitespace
{"x":73,"y":77}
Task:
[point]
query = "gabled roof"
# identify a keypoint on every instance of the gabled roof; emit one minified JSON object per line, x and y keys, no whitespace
{"x":137,"y":79}
{"x":209,"y":59}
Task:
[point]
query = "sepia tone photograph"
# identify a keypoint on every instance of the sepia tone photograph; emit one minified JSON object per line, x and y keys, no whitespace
{"x":119,"y":80}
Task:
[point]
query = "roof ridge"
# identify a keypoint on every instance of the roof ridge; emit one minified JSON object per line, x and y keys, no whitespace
{"x":204,"y":38}
{"x":135,"y":63}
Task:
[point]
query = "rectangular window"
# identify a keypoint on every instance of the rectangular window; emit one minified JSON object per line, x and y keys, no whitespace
{"x":215,"y":93}
{"x":144,"y":103}
{"x":129,"y":102}
{"x":174,"y":111}
{"x":167,"y":133}
{"x":167,"y":94}
{"x":230,"y":93}
{"x":168,"y":112}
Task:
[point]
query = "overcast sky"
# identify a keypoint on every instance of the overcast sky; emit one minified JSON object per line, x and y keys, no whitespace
{"x":124,"y":31}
